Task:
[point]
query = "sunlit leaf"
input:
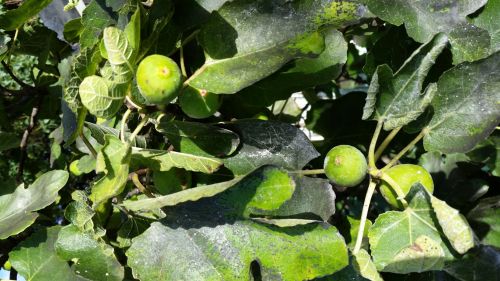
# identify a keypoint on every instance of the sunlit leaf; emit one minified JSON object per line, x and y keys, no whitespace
{"x":17,"y":210}
{"x":98,"y":97}
{"x":115,"y":156}
{"x":409,"y":241}
{"x":454,"y":225}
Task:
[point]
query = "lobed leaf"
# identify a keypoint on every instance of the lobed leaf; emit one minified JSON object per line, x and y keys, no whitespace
{"x":397,"y":99}
{"x":408,"y":241}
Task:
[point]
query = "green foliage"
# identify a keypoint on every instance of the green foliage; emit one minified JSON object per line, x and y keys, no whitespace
{"x":202,"y":136}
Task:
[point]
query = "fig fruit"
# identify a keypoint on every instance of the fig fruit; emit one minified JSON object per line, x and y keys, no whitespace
{"x":159,"y":79}
{"x":405,"y":175}
{"x":345,"y":165}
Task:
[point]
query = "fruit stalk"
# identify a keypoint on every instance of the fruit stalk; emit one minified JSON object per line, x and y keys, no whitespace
{"x":373,"y":143}
{"x":364,"y":214}
{"x":404,"y":150}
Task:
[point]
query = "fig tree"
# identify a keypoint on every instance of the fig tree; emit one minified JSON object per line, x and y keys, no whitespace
{"x":198,"y":103}
{"x":345,"y":165}
{"x":405,"y":175}
{"x":159,"y":79}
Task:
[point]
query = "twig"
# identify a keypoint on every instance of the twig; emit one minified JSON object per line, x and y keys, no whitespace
{"x":88,"y":145}
{"x":13,"y":76}
{"x":26,"y":135}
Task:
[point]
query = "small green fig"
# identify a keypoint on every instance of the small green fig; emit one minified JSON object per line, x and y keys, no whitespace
{"x":159,"y":79}
{"x":198,"y":104}
{"x":345,"y":165}
{"x":405,"y":175}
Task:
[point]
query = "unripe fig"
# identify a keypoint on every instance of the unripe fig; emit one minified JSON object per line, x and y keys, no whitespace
{"x":159,"y":79}
{"x":198,"y":103}
{"x":405,"y":175}
{"x":345,"y":165}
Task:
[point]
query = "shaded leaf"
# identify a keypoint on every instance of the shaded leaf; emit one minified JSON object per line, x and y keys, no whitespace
{"x":198,"y":138}
{"x":486,"y":219}
{"x":454,"y":225}
{"x":311,"y":196}
{"x":465,"y":106}
{"x":17,"y":210}
{"x":161,"y":160}
{"x":12,"y":19}
{"x":100,"y":131}
{"x":487,"y":19}
{"x":94,"y":259}
{"x":132,"y":227}
{"x":482,"y":263}
{"x":113,"y":159}
{"x":249,"y":40}
{"x":9,"y":141}
{"x":424,"y":19}
{"x":397,"y":99}
{"x":95,"y":18}
{"x":409,"y":241}
{"x":268,"y":143}
{"x":35,"y":258}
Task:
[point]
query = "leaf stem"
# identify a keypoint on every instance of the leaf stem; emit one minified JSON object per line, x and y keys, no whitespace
{"x":395,"y":186}
{"x":88,"y":145}
{"x":138,"y":129}
{"x":386,"y":142}
{"x":140,"y":186}
{"x":183,"y":66}
{"x":124,"y":122}
{"x":373,"y":143}
{"x":309,"y":172}
{"x":364,"y":214}
{"x":404,"y":150}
